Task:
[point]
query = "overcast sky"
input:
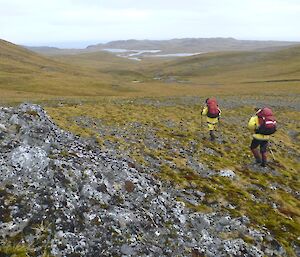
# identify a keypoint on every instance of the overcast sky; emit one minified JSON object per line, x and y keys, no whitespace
{"x":77,"y":23}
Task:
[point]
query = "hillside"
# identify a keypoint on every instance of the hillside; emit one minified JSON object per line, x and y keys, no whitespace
{"x":27,"y":75}
{"x":49,"y":51}
{"x":100,"y":60}
{"x":236,"y":67}
{"x":17,"y":59}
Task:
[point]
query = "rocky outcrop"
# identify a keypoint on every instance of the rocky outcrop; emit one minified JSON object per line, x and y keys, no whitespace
{"x":61,"y":194}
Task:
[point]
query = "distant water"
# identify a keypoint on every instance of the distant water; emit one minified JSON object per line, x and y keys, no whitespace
{"x":133,"y":58}
{"x":137,"y":54}
{"x":133,"y":52}
{"x":116,"y":50}
{"x":173,"y":55}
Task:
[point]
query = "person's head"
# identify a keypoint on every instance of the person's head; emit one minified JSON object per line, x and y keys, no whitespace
{"x":257,"y":109}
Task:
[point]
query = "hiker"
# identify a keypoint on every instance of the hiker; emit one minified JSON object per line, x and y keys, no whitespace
{"x":263,"y":123}
{"x":212,"y":113}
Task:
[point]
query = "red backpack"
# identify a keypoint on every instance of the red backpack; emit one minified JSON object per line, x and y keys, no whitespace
{"x":213,"y":108}
{"x":267,"y":122}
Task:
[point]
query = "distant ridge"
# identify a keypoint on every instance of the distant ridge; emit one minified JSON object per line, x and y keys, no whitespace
{"x":182,"y":45}
{"x":193,"y":45}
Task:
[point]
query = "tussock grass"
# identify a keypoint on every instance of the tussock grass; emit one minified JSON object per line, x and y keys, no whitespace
{"x":14,"y":250}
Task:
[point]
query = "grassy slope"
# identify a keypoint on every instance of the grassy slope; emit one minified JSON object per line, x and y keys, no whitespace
{"x":26,"y":75}
{"x":165,"y":134}
{"x":105,"y":62}
{"x":244,"y":70}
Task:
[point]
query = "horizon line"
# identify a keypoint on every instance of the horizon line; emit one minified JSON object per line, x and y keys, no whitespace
{"x":86,"y":43}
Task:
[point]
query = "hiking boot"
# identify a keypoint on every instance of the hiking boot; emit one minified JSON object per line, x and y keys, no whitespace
{"x":263,"y":164}
{"x":212,"y":135}
{"x":256,"y":155}
{"x":258,"y":161}
{"x":264,"y":159}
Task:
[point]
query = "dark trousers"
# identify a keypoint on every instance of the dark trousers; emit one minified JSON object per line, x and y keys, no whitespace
{"x":263,"y":144}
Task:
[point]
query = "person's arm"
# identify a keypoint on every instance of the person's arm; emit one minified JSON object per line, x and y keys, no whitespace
{"x":252,"y":124}
{"x":205,"y":111}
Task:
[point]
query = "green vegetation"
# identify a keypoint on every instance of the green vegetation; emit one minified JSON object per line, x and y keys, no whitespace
{"x":14,"y":250}
{"x":168,"y":132}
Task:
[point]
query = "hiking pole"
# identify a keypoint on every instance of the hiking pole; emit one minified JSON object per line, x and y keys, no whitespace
{"x":272,"y":153}
{"x":201,"y":122}
{"x":201,"y":109}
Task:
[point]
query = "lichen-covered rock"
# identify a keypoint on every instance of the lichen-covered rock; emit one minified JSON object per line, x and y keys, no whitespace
{"x":28,"y":158}
{"x":61,"y":194}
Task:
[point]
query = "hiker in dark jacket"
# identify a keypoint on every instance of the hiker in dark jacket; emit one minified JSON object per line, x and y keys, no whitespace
{"x":263,"y":124}
{"x":212,"y":113}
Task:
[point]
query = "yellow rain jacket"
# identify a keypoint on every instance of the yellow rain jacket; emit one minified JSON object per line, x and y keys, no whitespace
{"x":211,"y":122}
{"x":253,"y":124}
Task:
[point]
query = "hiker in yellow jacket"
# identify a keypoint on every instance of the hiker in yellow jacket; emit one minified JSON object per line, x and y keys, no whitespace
{"x":212,"y":113}
{"x":263,"y":124}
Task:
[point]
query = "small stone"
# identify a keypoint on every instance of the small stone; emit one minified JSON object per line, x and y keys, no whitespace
{"x":3,"y":127}
{"x":224,"y":221}
{"x":129,"y":186}
{"x":227,"y":173}
{"x":127,"y":250}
